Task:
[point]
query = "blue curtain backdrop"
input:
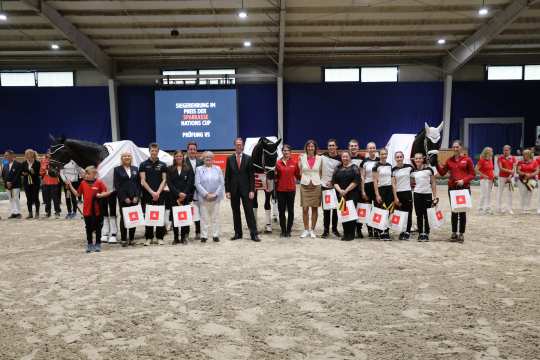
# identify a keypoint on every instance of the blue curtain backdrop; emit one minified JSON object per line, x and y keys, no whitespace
{"x":493,"y":135}
{"x":29,"y":115}
{"x":341,"y":110}
{"x":367,"y":112}
{"x":497,"y":99}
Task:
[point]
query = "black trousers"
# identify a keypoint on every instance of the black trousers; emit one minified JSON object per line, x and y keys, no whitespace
{"x":369,"y":188}
{"x":93,"y":224}
{"x":405,"y":198}
{"x":327,"y":214}
{"x":286,"y":204}
{"x":422,"y":202}
{"x":387,"y":197}
{"x":71,"y":200}
{"x":51,"y":193}
{"x":458,"y":219}
{"x":149,"y":230}
{"x":108,"y":205}
{"x":123,"y":231}
{"x":197,"y":223}
{"x":184,"y":230}
{"x":247,"y":204}
{"x":32,"y":197}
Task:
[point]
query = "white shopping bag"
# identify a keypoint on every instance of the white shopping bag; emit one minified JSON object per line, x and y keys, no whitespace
{"x":154,"y":215}
{"x":460,"y":200}
{"x":348,"y":213}
{"x":260,"y":182}
{"x":363,"y":210}
{"x":435,"y":217}
{"x":378,"y":218}
{"x":329,"y":199}
{"x":182,"y":215}
{"x":398,"y":221}
{"x":133,"y":216}
{"x":195,"y":212}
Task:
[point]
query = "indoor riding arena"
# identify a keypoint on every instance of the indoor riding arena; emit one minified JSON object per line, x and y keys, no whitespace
{"x":270,"y":179}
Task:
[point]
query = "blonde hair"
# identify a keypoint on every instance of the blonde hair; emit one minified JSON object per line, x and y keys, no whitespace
{"x":527,"y":154}
{"x":124,"y":154}
{"x":484,"y":152}
{"x":31,"y":151}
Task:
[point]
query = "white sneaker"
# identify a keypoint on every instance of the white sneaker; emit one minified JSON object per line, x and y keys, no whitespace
{"x":161,"y":242}
{"x":312,"y":234}
{"x":510,"y":212}
{"x":305,"y":234}
{"x":112,"y":239}
{"x":147,"y":242}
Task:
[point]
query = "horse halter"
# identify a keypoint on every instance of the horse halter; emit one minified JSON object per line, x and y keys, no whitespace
{"x":265,"y":168}
{"x":57,"y":163}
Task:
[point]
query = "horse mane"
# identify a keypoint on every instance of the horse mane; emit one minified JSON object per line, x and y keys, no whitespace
{"x":86,"y":153}
{"x":418,"y":143}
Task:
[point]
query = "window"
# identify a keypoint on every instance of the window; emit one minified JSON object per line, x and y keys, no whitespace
{"x":221,"y":77}
{"x":380,"y":74}
{"x":64,"y":78}
{"x":33,"y":78}
{"x":17,"y":79}
{"x":532,"y":72}
{"x":341,"y":75}
{"x":505,"y":72}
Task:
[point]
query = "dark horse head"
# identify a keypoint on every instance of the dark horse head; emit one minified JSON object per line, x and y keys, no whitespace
{"x":428,"y":142}
{"x":84,"y":153}
{"x":264,"y":156}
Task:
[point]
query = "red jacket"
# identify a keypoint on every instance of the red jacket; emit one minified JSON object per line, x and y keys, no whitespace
{"x":286,"y":175}
{"x":44,"y":172}
{"x":89,"y":190}
{"x":460,"y":169}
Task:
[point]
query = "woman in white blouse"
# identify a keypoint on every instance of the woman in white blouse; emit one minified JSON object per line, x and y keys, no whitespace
{"x":310,"y":165}
{"x":210,"y":186}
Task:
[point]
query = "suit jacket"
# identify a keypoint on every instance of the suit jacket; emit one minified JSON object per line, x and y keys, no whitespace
{"x":239,"y":181}
{"x":14,"y":175}
{"x":126,"y":187}
{"x":181,"y":183}
{"x":25,"y":172}
{"x":199,"y":162}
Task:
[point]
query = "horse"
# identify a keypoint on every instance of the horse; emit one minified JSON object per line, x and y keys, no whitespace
{"x":427,"y":142}
{"x":86,"y":153}
{"x":264,"y":157}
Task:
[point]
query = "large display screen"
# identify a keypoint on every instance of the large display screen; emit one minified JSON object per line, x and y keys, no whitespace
{"x":208,"y":117}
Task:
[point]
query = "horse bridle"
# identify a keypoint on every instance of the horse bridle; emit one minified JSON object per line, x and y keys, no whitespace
{"x":56,"y":162}
{"x":264,"y":167}
{"x":429,"y":152}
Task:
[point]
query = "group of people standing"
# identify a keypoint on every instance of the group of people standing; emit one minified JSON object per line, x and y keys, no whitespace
{"x":35,"y":176}
{"x":368,"y":178}
{"x":360,"y":177}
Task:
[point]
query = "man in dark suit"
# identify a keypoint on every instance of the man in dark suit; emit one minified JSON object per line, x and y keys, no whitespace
{"x":11,"y":174}
{"x":194,"y":162}
{"x":240,"y":185}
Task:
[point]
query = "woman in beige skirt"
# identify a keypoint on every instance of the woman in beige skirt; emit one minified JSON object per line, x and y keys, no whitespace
{"x":310,"y":165}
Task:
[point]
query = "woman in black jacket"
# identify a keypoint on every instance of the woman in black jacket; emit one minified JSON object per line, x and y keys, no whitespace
{"x":127,"y":185}
{"x":181,"y":183}
{"x":31,"y":181}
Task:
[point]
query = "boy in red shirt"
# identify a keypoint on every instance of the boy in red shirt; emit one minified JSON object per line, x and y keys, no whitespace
{"x":484,"y":168}
{"x":91,"y":190}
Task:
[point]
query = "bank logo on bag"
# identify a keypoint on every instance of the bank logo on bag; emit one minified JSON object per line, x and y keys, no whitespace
{"x":362,"y":212}
{"x":439,"y":215}
{"x":461,"y":200}
{"x":377,"y":218}
{"x":345,"y":211}
{"x":154,"y":215}
{"x":182,"y":215}
{"x":396,"y":219}
{"x":133,"y":216}
{"x":327,"y":199}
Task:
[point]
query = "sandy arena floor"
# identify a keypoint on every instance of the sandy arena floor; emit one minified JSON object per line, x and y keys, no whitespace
{"x":278,"y":299}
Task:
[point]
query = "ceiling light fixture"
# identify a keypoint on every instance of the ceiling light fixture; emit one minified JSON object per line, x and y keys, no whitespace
{"x":483,"y":11}
{"x":441,"y":41}
{"x":55,"y":46}
{"x":242,"y":13}
{"x":247,"y":43}
{"x":3,"y":16}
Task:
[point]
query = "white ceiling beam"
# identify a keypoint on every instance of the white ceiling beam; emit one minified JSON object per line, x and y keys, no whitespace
{"x":472,"y":45}
{"x":87,"y":47}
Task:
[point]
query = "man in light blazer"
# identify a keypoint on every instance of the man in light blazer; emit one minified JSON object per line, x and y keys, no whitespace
{"x":240,"y":185}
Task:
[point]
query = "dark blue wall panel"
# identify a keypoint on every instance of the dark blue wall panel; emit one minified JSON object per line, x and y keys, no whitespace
{"x":257,"y":110}
{"x":367,"y":112}
{"x":136,"y":114}
{"x":497,"y":99}
{"x":29,"y":115}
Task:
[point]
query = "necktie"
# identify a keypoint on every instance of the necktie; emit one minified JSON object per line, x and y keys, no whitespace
{"x":238,"y":159}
